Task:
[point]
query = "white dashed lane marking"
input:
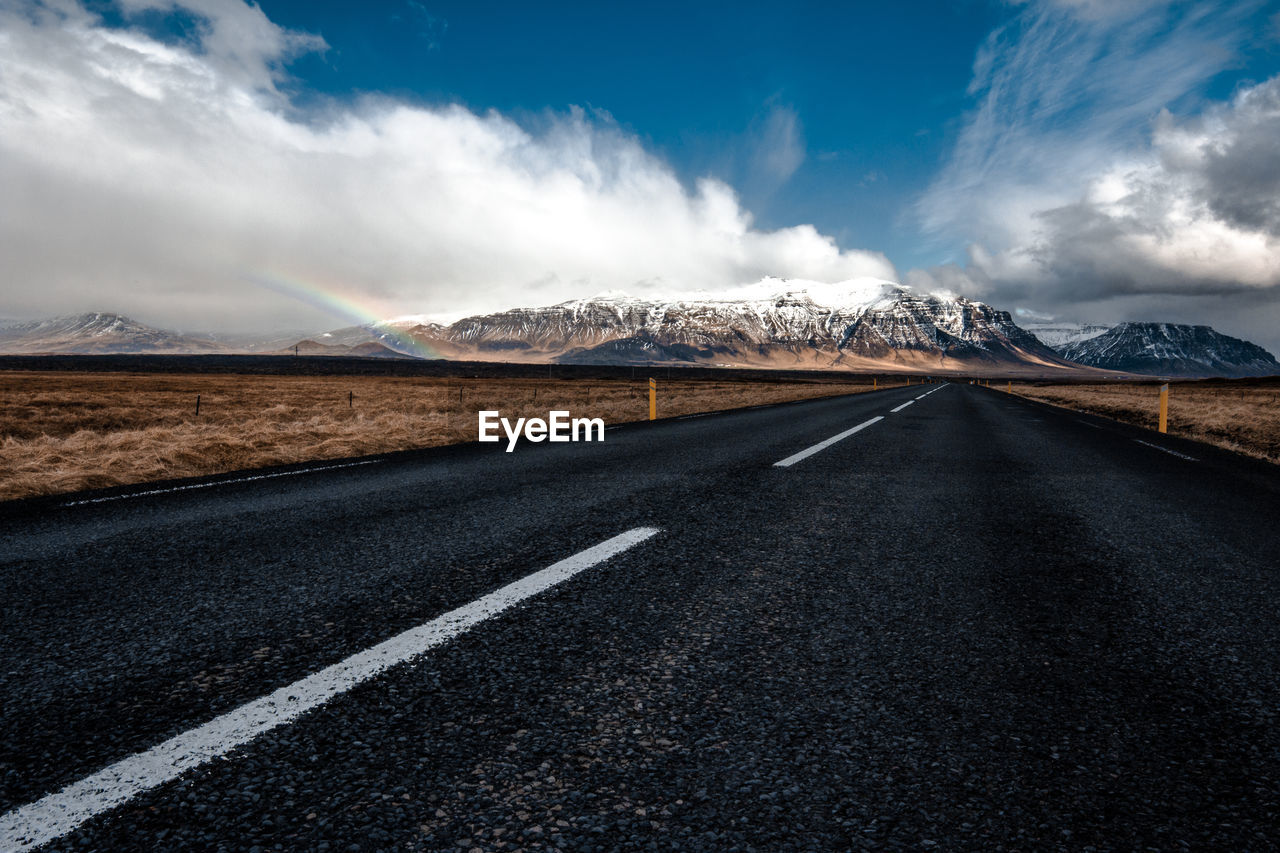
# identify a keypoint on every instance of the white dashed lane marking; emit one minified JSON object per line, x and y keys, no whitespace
{"x":1167,"y":450}
{"x":220,"y":483}
{"x":823,"y":445}
{"x":59,"y":813}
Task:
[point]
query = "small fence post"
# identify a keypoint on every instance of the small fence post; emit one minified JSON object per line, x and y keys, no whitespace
{"x":197,"y":404}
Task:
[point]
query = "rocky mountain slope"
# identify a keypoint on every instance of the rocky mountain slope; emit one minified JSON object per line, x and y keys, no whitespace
{"x":1169,"y":349}
{"x":865,"y":323}
{"x":98,"y":333}
{"x":367,"y":349}
{"x":1059,"y":335}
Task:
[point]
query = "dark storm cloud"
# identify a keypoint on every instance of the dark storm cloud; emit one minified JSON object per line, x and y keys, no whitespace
{"x":1139,"y":212}
{"x":1201,"y":214}
{"x":1240,"y":171}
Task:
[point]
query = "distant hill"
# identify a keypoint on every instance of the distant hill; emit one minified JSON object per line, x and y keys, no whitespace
{"x":390,"y":334}
{"x":106,"y":333}
{"x":1169,"y":349}
{"x":98,"y":334}
{"x":367,"y":349}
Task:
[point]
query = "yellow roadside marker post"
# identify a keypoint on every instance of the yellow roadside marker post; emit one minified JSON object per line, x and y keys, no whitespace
{"x":874,"y":383}
{"x":653,"y":399}
{"x":1009,"y":390}
{"x":1164,"y":407}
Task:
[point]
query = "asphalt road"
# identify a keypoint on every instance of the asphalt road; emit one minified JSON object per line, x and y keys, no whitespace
{"x":976,"y":623}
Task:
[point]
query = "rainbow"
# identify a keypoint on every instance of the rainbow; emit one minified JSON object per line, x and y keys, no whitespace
{"x":331,"y":301}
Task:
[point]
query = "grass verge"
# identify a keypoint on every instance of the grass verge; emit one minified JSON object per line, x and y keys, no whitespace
{"x":64,"y":432}
{"x":1240,"y":415}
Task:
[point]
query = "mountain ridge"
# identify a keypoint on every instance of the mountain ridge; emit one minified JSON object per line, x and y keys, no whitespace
{"x":98,"y":333}
{"x":1058,"y":335}
{"x":1172,"y":349}
{"x":861,"y":325}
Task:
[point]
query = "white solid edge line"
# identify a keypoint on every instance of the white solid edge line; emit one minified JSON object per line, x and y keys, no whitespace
{"x":219,"y":483}
{"x":903,"y":406}
{"x":823,"y":445}
{"x":59,"y":813}
{"x":1167,"y":450}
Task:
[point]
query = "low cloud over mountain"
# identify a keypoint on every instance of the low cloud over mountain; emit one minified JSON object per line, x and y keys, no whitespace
{"x":192,"y":187}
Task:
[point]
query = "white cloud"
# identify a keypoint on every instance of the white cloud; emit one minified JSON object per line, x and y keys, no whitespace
{"x":1097,"y":10}
{"x":1064,"y":91}
{"x":779,"y":148}
{"x":1088,"y":192}
{"x":236,"y":39}
{"x":158,"y":178}
{"x":1200,"y":213}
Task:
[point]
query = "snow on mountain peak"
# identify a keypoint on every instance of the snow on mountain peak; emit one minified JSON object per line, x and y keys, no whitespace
{"x":771,"y":321}
{"x":1171,"y":349}
{"x":843,"y":296}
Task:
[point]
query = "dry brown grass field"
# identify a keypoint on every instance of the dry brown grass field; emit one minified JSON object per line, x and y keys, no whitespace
{"x":1241,"y":415}
{"x":63,"y":432}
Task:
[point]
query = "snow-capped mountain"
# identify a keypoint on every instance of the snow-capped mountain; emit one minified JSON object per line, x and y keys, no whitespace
{"x":104,"y":333}
{"x":1058,"y":335}
{"x":865,"y":324}
{"x":1169,"y":349}
{"x":776,"y":323}
{"x":98,"y":333}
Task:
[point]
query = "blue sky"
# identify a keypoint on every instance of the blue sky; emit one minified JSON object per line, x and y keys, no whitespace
{"x":877,"y":89}
{"x":1091,"y":160}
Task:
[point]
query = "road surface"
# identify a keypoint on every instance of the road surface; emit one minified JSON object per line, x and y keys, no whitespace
{"x":971,"y":622}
